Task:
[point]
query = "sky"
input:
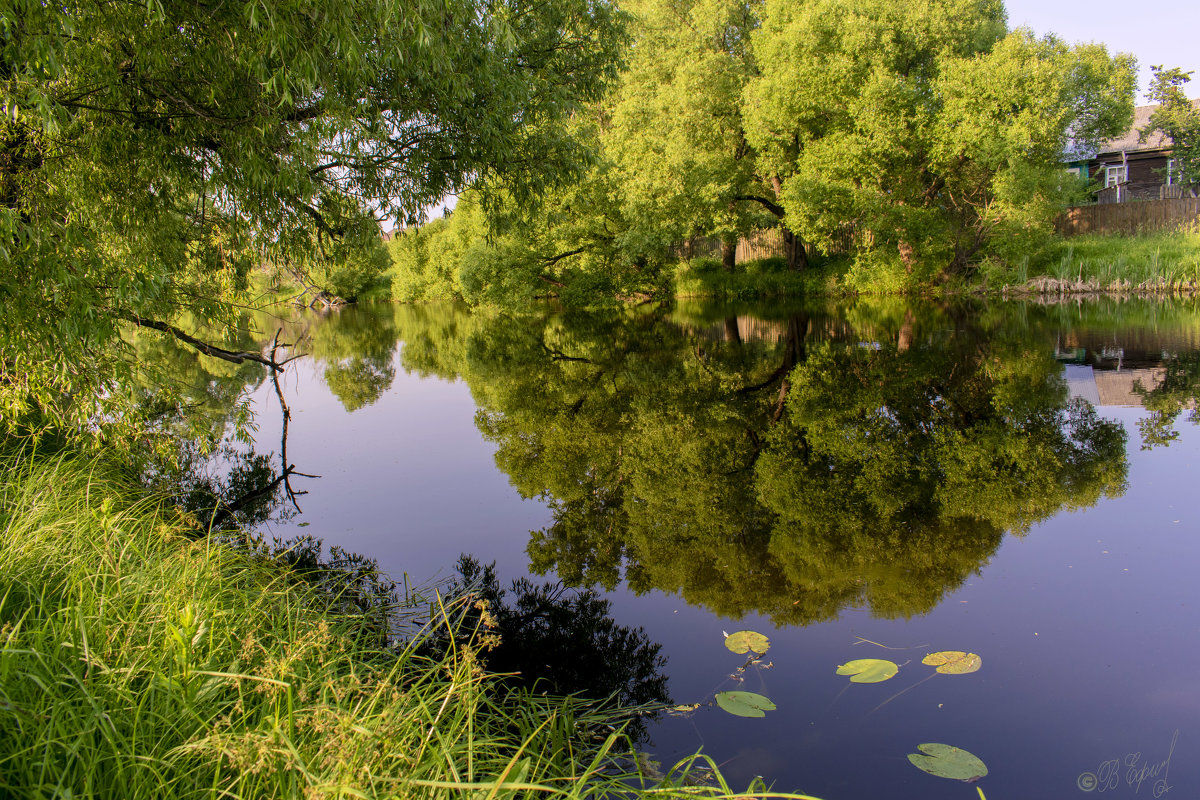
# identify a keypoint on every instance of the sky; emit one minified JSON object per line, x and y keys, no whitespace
{"x":1158,"y":32}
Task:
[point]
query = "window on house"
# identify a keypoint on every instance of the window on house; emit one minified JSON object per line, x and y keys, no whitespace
{"x":1170,"y":171}
{"x":1115,"y":175}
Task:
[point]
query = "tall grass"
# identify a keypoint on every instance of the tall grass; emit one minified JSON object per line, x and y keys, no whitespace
{"x":136,"y":662}
{"x":1163,"y":259}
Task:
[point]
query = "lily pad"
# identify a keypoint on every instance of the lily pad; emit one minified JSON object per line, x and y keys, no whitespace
{"x":747,"y":641}
{"x":946,"y":761}
{"x":953,"y":662}
{"x":869,"y":670}
{"x":745,"y":704}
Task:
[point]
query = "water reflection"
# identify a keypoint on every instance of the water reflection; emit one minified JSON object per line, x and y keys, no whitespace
{"x":550,"y":639}
{"x":871,"y":455}
{"x":800,"y":460}
{"x":827,"y":465}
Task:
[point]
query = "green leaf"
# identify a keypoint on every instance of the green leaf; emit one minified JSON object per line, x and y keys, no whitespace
{"x":869,"y":670}
{"x":953,"y":662}
{"x":747,"y":641}
{"x":745,"y":704}
{"x":946,"y":761}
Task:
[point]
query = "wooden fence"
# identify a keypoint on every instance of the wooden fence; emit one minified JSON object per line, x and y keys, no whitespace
{"x":1133,"y":217}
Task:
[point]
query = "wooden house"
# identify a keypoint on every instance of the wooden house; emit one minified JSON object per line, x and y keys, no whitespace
{"x":1133,"y":166}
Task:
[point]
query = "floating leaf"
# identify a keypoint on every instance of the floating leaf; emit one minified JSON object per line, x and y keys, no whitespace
{"x":948,"y":762}
{"x":747,"y":641}
{"x":869,"y":670}
{"x":745,"y":704}
{"x":953,"y":662}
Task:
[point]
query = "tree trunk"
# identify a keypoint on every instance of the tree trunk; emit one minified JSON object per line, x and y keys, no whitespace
{"x":906,"y":255}
{"x":793,"y":250}
{"x":793,"y":245}
{"x":729,"y":254}
{"x":793,"y":355}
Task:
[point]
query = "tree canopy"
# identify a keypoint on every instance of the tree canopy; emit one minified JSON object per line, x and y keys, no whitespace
{"x":685,"y":168}
{"x":917,"y":140}
{"x":929,"y":128}
{"x":152,"y":154}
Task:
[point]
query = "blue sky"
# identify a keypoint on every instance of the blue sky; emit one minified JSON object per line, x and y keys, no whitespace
{"x":1156,"y":32}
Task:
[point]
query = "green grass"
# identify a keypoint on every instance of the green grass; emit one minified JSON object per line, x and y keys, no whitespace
{"x":1163,"y":260}
{"x":139,"y":662}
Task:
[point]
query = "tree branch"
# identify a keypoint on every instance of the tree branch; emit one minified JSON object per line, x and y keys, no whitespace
{"x":769,"y":205}
{"x":236,"y":357}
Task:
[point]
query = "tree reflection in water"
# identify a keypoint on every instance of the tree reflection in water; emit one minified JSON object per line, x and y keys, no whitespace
{"x":553,"y":640}
{"x":865,"y":462}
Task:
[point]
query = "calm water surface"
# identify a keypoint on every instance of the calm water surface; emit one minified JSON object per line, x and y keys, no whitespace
{"x":1015,"y":481}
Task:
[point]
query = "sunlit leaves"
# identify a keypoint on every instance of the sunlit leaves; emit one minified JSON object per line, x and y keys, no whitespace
{"x":162,"y":152}
{"x":880,"y":111}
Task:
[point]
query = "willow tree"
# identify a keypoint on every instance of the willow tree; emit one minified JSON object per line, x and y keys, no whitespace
{"x":928,"y":127}
{"x":677,"y":129}
{"x":152,"y":153}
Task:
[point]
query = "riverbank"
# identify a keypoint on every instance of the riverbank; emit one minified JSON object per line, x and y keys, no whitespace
{"x":1159,"y":263}
{"x":139,"y":661}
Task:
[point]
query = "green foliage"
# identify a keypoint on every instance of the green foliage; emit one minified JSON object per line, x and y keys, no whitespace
{"x":574,"y":244}
{"x":1178,"y":118}
{"x":707,"y":277}
{"x":927,"y":127}
{"x":1161,"y":259}
{"x":676,"y":135}
{"x":930,"y":136}
{"x":153,"y":154}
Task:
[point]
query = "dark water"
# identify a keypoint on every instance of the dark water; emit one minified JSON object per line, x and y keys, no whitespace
{"x":1015,"y":481}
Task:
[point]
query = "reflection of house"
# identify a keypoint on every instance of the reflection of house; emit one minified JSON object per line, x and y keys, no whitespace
{"x":1111,"y":387}
{"x":1132,"y":168}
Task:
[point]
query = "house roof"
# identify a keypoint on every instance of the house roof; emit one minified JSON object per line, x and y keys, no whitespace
{"x":1131,"y":141}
